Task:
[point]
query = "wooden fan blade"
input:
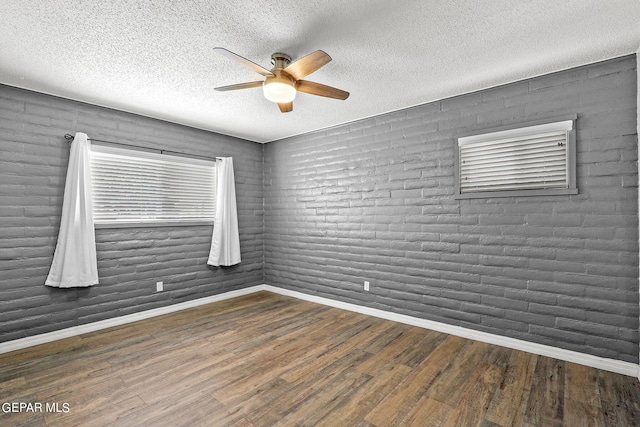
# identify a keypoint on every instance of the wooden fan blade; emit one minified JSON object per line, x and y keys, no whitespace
{"x":286,"y":107}
{"x":321,"y":90}
{"x":308,"y":64}
{"x":243,"y":61}
{"x":247,"y":85}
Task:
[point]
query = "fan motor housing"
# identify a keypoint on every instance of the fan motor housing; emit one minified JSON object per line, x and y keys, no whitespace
{"x":280,"y":76}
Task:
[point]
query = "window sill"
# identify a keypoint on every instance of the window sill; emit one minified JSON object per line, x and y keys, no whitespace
{"x":516,"y":193}
{"x":145,"y":224}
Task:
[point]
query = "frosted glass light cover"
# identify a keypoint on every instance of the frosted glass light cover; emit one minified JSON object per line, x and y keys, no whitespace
{"x":279,"y":92}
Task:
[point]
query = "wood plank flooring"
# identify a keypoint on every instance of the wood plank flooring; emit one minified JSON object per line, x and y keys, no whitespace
{"x":268,"y":360}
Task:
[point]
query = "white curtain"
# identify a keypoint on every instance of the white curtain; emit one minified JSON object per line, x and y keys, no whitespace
{"x":74,"y":260}
{"x":225,"y":242}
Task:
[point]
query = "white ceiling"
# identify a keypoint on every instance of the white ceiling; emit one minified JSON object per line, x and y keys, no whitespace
{"x":155,"y":57}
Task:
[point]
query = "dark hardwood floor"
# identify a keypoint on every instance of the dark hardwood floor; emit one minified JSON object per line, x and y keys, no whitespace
{"x":268,"y":360}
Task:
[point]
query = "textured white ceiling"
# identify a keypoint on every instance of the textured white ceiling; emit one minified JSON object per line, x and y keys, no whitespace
{"x":154,"y":57}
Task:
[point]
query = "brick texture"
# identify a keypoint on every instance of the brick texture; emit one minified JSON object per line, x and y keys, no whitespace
{"x":372,"y":200}
{"x":33,"y":162}
{"x":369,"y":200}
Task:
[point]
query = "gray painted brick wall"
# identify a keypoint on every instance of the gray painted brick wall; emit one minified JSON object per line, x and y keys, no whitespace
{"x":33,"y":162}
{"x":372,"y":200}
{"x":369,"y":200}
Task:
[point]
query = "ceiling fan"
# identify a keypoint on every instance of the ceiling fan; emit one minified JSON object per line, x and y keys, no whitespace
{"x":285,"y":78}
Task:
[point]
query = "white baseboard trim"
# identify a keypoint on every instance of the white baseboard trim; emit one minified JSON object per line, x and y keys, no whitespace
{"x":612,"y":365}
{"x":617,"y":366}
{"x":22,"y":343}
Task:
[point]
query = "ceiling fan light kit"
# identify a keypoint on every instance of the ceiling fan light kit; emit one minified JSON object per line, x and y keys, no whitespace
{"x":284,"y":80}
{"x":278,"y":91}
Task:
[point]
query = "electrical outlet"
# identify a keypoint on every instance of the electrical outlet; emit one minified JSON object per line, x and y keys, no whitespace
{"x":159,"y":286}
{"x":366,"y":285}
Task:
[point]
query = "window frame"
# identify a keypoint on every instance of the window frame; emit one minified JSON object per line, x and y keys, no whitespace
{"x":149,"y":153}
{"x":514,"y":128}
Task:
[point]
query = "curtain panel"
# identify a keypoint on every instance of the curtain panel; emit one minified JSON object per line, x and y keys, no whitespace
{"x":225,"y":241}
{"x":74,"y":260}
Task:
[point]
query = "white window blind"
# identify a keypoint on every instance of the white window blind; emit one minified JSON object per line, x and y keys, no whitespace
{"x":530,"y":158}
{"x":138,"y":186}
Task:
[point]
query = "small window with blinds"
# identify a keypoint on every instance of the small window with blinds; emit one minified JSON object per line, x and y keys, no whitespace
{"x":537,"y":159}
{"x":133,"y":188}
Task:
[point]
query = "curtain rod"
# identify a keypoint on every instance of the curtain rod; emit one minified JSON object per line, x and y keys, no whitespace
{"x":70,"y":139}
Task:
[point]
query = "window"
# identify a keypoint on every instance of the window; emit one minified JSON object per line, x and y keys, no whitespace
{"x":537,"y":159}
{"x":134,"y":187}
